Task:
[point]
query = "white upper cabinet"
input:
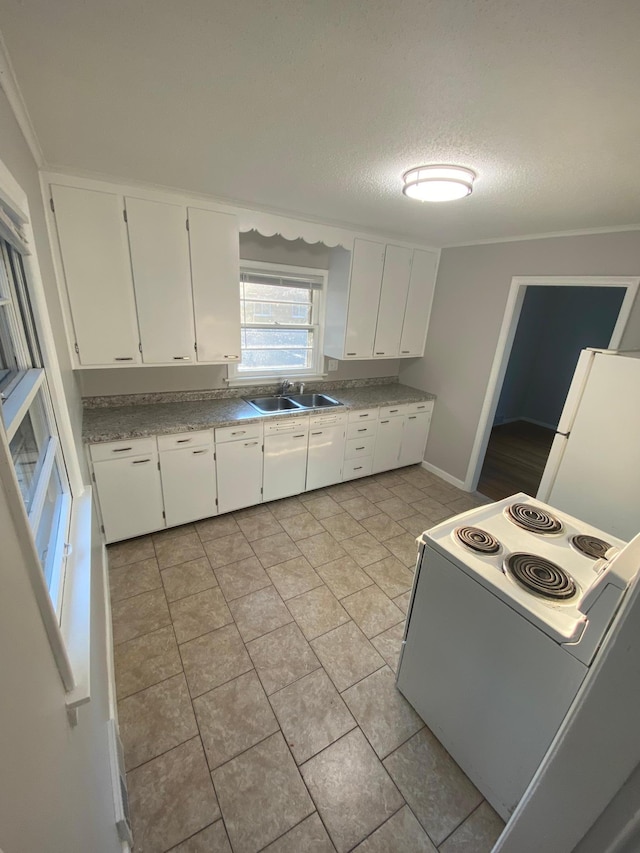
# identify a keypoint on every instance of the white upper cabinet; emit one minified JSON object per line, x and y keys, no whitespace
{"x":95,"y":258}
{"x":418,"y":307}
{"x":159,"y":245}
{"x":213,"y":238}
{"x":393,"y":299}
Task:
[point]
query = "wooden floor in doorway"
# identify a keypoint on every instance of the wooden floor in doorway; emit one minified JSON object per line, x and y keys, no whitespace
{"x":515,"y":459}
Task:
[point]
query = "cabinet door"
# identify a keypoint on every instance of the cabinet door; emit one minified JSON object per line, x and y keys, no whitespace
{"x":364,"y":295}
{"x":162,"y":280}
{"x":188,"y":484}
{"x":388,"y":443}
{"x":419,"y":299}
{"x":130,"y":496}
{"x":414,"y":440}
{"x":326,"y":452}
{"x":215,"y":275}
{"x":285,"y":465}
{"x":97,"y":271}
{"x":239,"y":473}
{"x":393,"y":300}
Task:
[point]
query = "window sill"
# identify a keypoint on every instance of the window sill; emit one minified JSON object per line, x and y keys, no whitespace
{"x":237,"y":382}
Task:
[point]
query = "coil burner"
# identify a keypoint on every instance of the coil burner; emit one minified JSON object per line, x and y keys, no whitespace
{"x":591,"y":546}
{"x":477,"y":540}
{"x":533,"y":518}
{"x":540,"y":576}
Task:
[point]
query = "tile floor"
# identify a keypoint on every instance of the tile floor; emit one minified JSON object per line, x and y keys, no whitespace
{"x":255,"y":657}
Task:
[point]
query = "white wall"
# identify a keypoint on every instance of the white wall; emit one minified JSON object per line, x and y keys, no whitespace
{"x":468,"y":308}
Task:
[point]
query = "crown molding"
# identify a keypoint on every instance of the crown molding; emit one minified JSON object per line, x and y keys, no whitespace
{"x":10,"y":86}
{"x":581,"y":232}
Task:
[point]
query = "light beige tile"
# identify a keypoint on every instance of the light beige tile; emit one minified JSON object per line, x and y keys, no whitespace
{"x":323,"y":507}
{"x":247,"y":512}
{"x":389,"y":644}
{"x":179,"y":549}
{"x":365,"y":549}
{"x":310,"y":836}
{"x":372,"y":491}
{"x":286,"y":508}
{"x":130,"y":551}
{"x":321,"y":549}
{"x":382,"y":527}
{"x":217,"y":527}
{"x":241,"y":578}
{"x":233,"y":718}
{"x":436,"y":789}
{"x":198,"y":614}
{"x":403,"y":601}
{"x":261,"y":795}
{"x":416,"y":524}
{"x":402,"y":832}
{"x":302,"y":525}
{"x":391,"y":575}
{"x":294,"y":577}
{"x":282,"y":657}
{"x":155,"y":720}
{"x":259,"y":612}
{"x":341,"y":492}
{"x":188,"y":578}
{"x":435,"y":510}
{"x":342,"y":526}
{"x":259,"y":526}
{"x":172,"y":532}
{"x":389,"y":478}
{"x":395,"y":508}
{"x":405,"y":548}
{"x":275,"y":549}
{"x":311,"y":714}
{"x":213,"y":839}
{"x":444,"y":492}
{"x":317,"y":612}
{"x":351,"y":789}
{"x":343,"y":576}
{"x":407,"y":493}
{"x":478,"y":833}
{"x":171,"y":798}
{"x":146,"y":660}
{"x":346,"y":655}
{"x":462,"y":504}
{"x":372,"y":611}
{"x":227,"y":549}
{"x":134,"y":578}
{"x":382,"y":712}
{"x":139,"y":615}
{"x":213,"y":659}
{"x":359,"y":507}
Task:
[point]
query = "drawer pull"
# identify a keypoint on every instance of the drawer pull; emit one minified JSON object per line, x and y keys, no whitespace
{"x":384,"y":422}
{"x":299,"y":436}
{"x":364,"y":429}
{"x":182,"y":358}
{"x":412,"y":417}
{"x":405,"y":351}
{"x":231,"y":356}
{"x":198,"y":451}
{"x":121,"y":449}
{"x":124,"y":358}
{"x":358,"y":468}
{"x":140,"y":461}
{"x":317,"y":433}
{"x":352,"y":353}
{"x":366,"y":415}
{"x":379,"y":353}
{"x":361,"y":448}
{"x":250,"y":443}
{"x":392,"y":411}
{"x":239,"y":432}
{"x":182,"y":440}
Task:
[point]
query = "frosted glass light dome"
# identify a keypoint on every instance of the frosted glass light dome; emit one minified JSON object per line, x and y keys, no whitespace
{"x":438,"y":183}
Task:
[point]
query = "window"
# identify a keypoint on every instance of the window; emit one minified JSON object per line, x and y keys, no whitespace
{"x":281,"y":322}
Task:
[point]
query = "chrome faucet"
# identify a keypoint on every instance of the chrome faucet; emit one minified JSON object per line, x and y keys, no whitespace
{"x":284,"y":386}
{"x":300,"y":387}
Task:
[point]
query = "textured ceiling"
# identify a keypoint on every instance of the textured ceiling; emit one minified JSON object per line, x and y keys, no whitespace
{"x":317,"y":107}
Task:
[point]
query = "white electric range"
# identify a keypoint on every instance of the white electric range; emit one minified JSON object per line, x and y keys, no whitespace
{"x":511,"y":603}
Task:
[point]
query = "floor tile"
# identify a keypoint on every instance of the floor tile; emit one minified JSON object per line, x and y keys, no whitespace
{"x":227,"y":549}
{"x":346,"y":655}
{"x":286,"y":508}
{"x":433,"y":509}
{"x":343,"y":576}
{"x":405,"y":548}
{"x":391,"y":575}
{"x":130,"y":551}
{"x":395,"y":508}
{"x":294,"y":577}
{"x":407,"y":493}
{"x":444,"y":492}
{"x":146,"y":660}
{"x":256,"y":813}
{"x":172,"y":798}
{"x":317,"y":612}
{"x":275,"y":549}
{"x":321,"y":549}
{"x":351,"y":789}
{"x":139,"y":615}
{"x":462,"y":504}
{"x":155,"y":720}
{"x":418,"y":476}
{"x":342,"y":492}
{"x":249,"y":511}
{"x":172,"y":532}
{"x":180,"y":549}
{"x":374,"y":492}
{"x":403,"y":601}
{"x":259,"y":612}
{"x":416,"y":524}
{"x":400,"y":834}
{"x":342,"y":526}
{"x":311,"y":714}
{"x":241,"y":578}
{"x":217,"y":527}
{"x":134,"y":578}
{"x":439,"y":793}
{"x":302,"y":525}
{"x":382,"y":527}
{"x":259,"y":526}
{"x":213,"y":659}
{"x":360,"y":508}
{"x":188,"y":578}
{"x":382,"y":712}
{"x":198,"y":614}
{"x":477,"y":834}
{"x":389,"y":478}
{"x":389,"y":644}
{"x":372,"y":611}
{"x":213,"y":839}
{"x":233,"y":718}
{"x":365,"y":549}
{"x":281,"y":657}
{"x":310,"y":836}
{"x":322,"y":507}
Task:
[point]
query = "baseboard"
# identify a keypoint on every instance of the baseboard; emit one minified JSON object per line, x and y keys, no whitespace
{"x":528,"y":421}
{"x":448,"y":478}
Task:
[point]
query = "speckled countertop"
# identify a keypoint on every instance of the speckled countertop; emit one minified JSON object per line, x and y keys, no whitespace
{"x":138,"y":421}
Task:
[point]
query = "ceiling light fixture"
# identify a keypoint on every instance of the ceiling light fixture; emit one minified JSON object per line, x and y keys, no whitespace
{"x":438,"y":183}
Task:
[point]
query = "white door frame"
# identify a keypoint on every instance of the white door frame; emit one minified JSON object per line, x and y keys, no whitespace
{"x":510,"y":320}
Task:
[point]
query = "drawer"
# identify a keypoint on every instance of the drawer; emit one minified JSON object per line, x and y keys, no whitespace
{"x":236,"y":433}
{"x":357,"y":468}
{"x":201,"y":438}
{"x":392,"y":411}
{"x":416,"y":408}
{"x":362,"y":429}
{"x":121,"y":449}
{"x":287,"y":425}
{"x":363,"y":415}
{"x":328,"y":419}
{"x":357,"y":447}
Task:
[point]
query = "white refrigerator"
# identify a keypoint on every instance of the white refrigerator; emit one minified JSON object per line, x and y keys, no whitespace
{"x":593,"y":469}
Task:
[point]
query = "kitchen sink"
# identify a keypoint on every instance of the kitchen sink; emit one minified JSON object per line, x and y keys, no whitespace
{"x":266,"y":405}
{"x":313,"y":401}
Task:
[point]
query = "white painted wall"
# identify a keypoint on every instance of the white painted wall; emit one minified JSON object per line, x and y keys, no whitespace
{"x":471,"y":293}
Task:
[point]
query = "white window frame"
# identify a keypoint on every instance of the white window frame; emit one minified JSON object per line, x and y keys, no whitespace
{"x":235,"y":377}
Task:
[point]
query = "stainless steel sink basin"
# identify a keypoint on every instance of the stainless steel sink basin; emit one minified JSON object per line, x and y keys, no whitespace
{"x":313,"y":401}
{"x":273,"y":404}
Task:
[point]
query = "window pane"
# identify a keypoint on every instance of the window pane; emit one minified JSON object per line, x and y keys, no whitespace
{"x":8,"y":360}
{"x":276,"y":338}
{"x":28,"y":447}
{"x":276,"y":293}
{"x":47,"y":530}
{"x":290,"y":359}
{"x":276,"y":312}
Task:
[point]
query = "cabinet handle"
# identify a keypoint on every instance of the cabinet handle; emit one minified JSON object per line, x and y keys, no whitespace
{"x":316,"y":433}
{"x":239,"y":432}
{"x":299,"y":436}
{"x":366,"y":415}
{"x":379,"y":353}
{"x":121,"y":449}
{"x":358,"y":468}
{"x":231,"y":356}
{"x":352,"y":353}
{"x":360,"y":448}
{"x":392,"y":411}
{"x":140,"y":461}
{"x":182,"y":440}
{"x":405,"y":351}
{"x":384,"y":422}
{"x":198,"y":451}
{"x":124,"y":358}
{"x":250,"y":443}
{"x":364,"y":429}
{"x":182,"y":358}
{"x":421,"y":407}
{"x":412,"y":417}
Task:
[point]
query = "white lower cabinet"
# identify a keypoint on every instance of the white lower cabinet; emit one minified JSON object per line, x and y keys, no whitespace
{"x":326,"y":452}
{"x":188,"y":484}
{"x":388,"y":443}
{"x":239,"y":468}
{"x":130,"y":495}
{"x":285,"y":458}
{"x":414,"y":440}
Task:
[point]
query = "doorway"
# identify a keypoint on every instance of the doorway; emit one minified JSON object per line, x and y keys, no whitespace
{"x":547,"y":323}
